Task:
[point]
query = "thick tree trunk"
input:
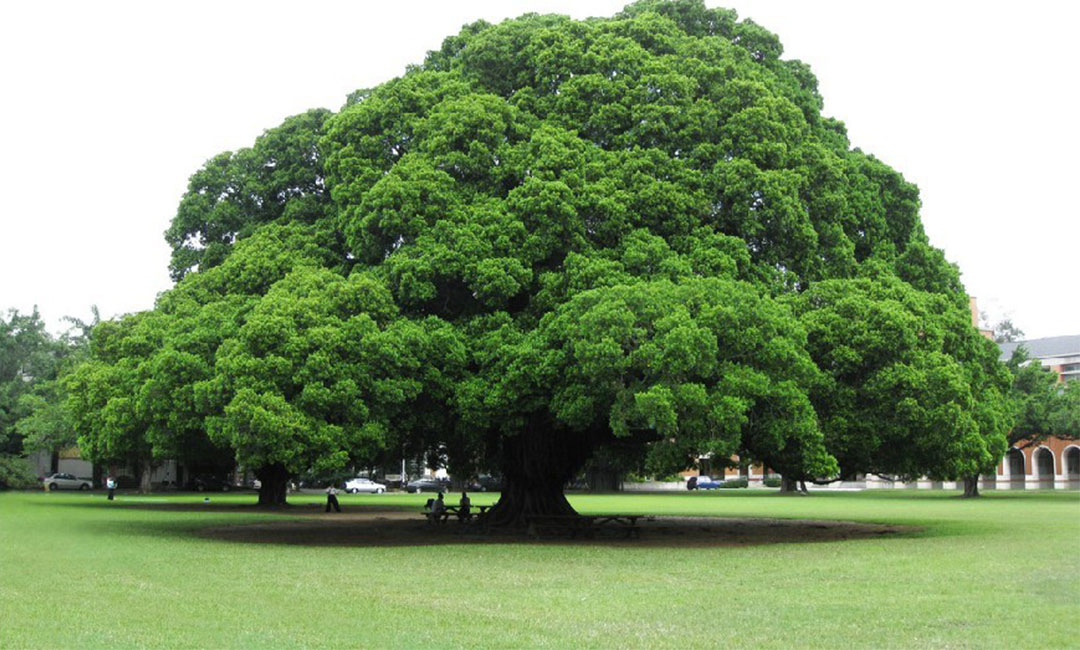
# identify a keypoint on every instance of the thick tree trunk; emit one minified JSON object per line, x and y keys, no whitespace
{"x":146,"y":468}
{"x":971,"y":487}
{"x":536,"y":465}
{"x":274,"y":481}
{"x":791,"y":486}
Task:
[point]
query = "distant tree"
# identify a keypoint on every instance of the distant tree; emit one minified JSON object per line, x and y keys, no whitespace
{"x":1065,"y":417}
{"x":1006,"y":332}
{"x":45,"y":422}
{"x":32,"y":413}
{"x":1042,"y":406}
{"x":28,"y":358}
{"x":46,"y":425}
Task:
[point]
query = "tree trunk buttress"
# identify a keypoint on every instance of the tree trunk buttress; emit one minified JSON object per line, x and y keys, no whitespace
{"x":537,"y":464}
{"x":790,"y":486}
{"x":971,"y":487}
{"x":274,"y":483}
{"x":146,"y":469}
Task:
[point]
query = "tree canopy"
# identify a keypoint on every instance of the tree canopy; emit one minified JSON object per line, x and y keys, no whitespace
{"x":33,"y":411}
{"x":552,"y":237}
{"x":1042,"y":406}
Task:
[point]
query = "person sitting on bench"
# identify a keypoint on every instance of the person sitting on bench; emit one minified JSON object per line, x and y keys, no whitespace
{"x":438,"y":509}
{"x":464,"y":507}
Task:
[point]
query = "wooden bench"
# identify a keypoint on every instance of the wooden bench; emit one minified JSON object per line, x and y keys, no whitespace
{"x":627,"y":524}
{"x":442,"y":517}
{"x":474,"y":510}
{"x":585,"y":526}
{"x":436,"y":518}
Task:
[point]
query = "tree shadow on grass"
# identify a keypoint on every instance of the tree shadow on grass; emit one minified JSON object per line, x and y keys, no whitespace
{"x":379,"y":530}
{"x":373,"y":526}
{"x":160,"y":504}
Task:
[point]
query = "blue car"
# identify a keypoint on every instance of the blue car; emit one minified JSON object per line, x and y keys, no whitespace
{"x":708,"y":483}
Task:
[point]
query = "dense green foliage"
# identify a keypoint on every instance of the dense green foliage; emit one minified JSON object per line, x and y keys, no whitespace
{"x":27,"y":361}
{"x":554,"y":238}
{"x":910,"y":388}
{"x":1042,"y":406}
{"x":34,"y":416}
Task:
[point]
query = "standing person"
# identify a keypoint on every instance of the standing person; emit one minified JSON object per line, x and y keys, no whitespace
{"x":111,"y":484}
{"x":464,"y":506}
{"x":691,"y":483}
{"x":331,"y":498}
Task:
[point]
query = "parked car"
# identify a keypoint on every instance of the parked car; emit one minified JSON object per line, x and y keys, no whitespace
{"x":208,"y":483}
{"x":485,"y":483}
{"x":361,"y":484}
{"x":62,"y":481}
{"x":708,"y":483}
{"x":428,"y":485}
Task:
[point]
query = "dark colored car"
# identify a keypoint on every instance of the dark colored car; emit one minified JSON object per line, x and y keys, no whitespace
{"x":428,"y":485}
{"x":209,"y":483}
{"x":127,"y":482}
{"x":485,"y":483}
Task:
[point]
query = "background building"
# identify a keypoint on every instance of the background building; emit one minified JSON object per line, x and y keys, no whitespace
{"x":1054,"y":462}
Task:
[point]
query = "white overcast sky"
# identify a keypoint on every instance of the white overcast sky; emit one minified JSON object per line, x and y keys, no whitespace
{"x":108,"y":107}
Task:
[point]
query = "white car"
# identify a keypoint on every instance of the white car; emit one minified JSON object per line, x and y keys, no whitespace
{"x":360,"y":484}
{"x":61,"y":481}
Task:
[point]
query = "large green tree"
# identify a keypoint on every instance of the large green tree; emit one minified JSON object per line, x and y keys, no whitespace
{"x":550,"y":239}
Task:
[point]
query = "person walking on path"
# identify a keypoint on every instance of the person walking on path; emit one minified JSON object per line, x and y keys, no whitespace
{"x":111,"y":484}
{"x":331,"y":499}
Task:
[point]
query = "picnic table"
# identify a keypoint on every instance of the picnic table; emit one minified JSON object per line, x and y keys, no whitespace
{"x":448,"y":510}
{"x":586,"y":526}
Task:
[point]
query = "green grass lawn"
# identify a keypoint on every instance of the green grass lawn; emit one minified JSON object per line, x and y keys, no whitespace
{"x":1001,"y":571}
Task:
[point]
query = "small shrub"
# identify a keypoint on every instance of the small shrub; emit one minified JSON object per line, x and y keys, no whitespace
{"x":643,"y":478}
{"x":15,"y":473}
{"x":772,"y":481}
{"x":740,"y":482}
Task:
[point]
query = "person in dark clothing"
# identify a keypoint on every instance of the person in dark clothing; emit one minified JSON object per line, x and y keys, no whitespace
{"x":691,"y":483}
{"x":331,"y":499}
{"x":438,"y":510}
{"x":464,"y":507}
